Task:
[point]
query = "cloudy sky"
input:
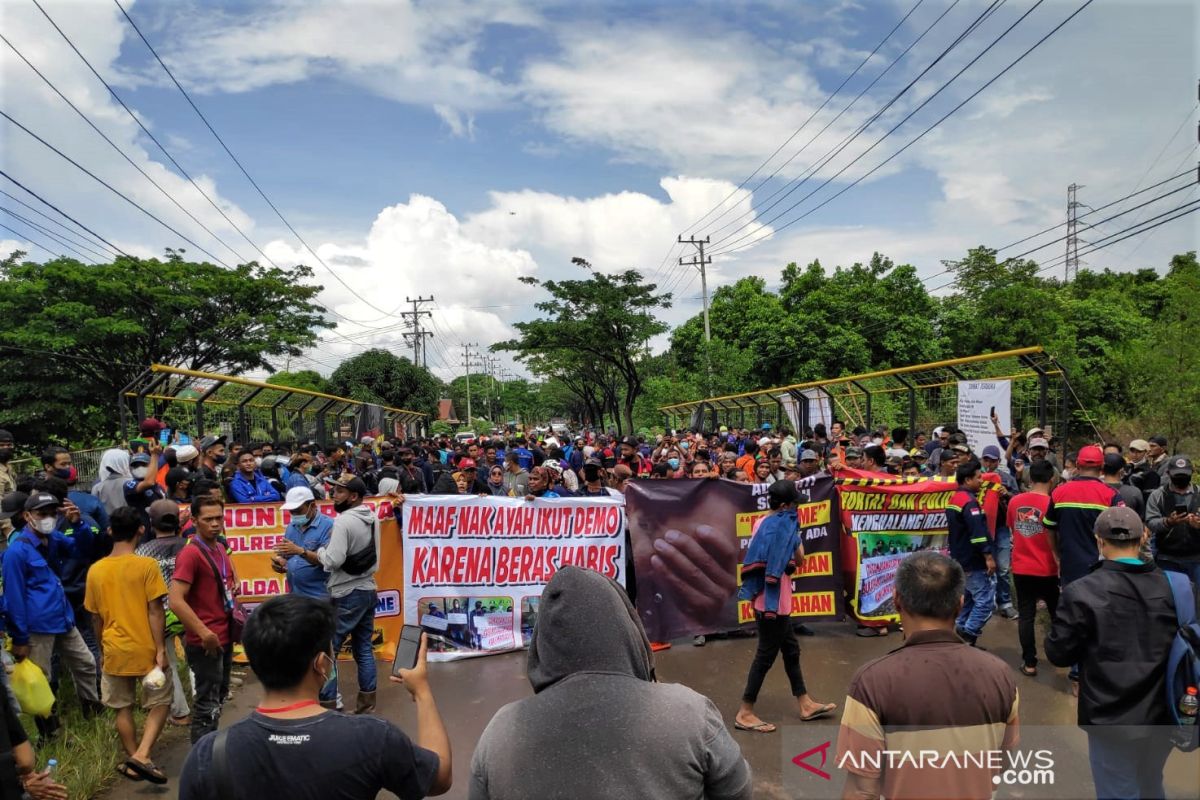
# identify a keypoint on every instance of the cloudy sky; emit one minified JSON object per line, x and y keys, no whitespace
{"x":448,"y":148}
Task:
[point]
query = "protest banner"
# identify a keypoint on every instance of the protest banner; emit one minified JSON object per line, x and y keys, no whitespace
{"x":976,"y":402}
{"x":253,"y":530}
{"x":475,"y":567}
{"x":688,"y":539}
{"x":885,"y":518}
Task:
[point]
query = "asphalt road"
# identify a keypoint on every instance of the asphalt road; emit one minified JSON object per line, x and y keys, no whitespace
{"x":470,"y":691}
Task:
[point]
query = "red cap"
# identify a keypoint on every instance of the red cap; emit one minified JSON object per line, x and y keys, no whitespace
{"x":466,"y":463}
{"x":150,"y":425}
{"x":1090,"y":456}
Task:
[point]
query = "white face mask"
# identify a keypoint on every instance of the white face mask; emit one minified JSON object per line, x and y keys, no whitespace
{"x":257,"y":461}
{"x":138,"y":472}
{"x":46,"y":525}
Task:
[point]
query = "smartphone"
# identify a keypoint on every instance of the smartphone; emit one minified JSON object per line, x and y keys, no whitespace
{"x":1181,"y":508}
{"x":407,"y":649}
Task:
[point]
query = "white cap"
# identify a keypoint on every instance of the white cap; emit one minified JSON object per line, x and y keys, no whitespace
{"x":1033,"y":432}
{"x":938,"y":431}
{"x":185,"y":453}
{"x":297,"y":496}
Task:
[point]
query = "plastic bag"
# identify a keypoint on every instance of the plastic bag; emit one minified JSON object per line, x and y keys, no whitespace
{"x":32,"y":689}
{"x":155,"y":679}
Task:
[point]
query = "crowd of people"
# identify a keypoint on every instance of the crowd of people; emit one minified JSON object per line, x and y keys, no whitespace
{"x":129,"y":580}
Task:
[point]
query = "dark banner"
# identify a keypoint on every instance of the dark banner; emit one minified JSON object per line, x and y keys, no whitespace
{"x":688,"y":538}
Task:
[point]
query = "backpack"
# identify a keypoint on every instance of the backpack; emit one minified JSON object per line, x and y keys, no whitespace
{"x":1183,"y":663}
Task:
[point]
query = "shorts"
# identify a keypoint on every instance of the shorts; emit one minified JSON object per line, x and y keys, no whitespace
{"x":120,"y":691}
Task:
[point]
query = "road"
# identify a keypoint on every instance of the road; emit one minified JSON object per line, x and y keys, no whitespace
{"x":469,"y":692}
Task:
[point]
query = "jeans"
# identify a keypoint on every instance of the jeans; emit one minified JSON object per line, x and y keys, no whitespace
{"x":1123,"y":768}
{"x":1030,"y":589}
{"x":74,"y":652}
{"x":774,"y":635}
{"x":355,"y":619}
{"x":211,"y":675}
{"x":1003,"y":567}
{"x":978,"y":602}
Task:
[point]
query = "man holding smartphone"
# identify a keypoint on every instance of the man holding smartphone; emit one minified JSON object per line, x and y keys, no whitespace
{"x":292,"y":747}
{"x":1173,"y":517}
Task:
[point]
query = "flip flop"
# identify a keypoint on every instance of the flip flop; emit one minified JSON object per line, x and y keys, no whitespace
{"x":828,"y":708}
{"x":867,"y":631}
{"x":181,"y":722}
{"x":148,"y":771}
{"x":762,"y":727}
{"x":128,"y":772}
{"x":1028,"y":670}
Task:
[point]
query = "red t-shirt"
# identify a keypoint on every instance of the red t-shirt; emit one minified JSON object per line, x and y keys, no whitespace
{"x":204,"y":594}
{"x":1031,"y":553}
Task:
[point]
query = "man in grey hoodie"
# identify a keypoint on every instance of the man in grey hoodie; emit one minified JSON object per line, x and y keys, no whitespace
{"x":352,"y":558}
{"x":599,"y":717}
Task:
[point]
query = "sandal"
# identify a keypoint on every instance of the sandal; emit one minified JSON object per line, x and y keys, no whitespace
{"x":148,"y":771}
{"x":1028,"y":670}
{"x":128,"y":772}
{"x":762,"y":727}
{"x":867,"y":631}
{"x":181,"y":722}
{"x":821,"y":712}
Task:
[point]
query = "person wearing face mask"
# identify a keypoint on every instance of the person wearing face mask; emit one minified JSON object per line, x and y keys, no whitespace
{"x":1173,"y":517}
{"x":56,"y":462}
{"x":114,"y":471}
{"x":352,"y":558}
{"x":212,"y":457}
{"x":39,"y":616}
{"x":593,"y":479}
{"x":296,"y":555}
{"x":412,"y":478}
{"x":142,"y":488}
{"x":287,"y":641}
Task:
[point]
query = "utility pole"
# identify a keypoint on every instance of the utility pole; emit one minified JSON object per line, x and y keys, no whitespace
{"x":416,"y":335}
{"x":702,"y":262}
{"x":467,"y":364}
{"x":1072,"y":263}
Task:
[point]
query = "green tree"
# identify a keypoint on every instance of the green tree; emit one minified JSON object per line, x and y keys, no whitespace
{"x":302,"y":379}
{"x":604,"y":323}
{"x":482,"y":387}
{"x":73,"y":335}
{"x":377,"y":376}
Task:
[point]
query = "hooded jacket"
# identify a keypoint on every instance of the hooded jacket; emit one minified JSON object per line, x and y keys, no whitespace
{"x":353,"y":529}
{"x":598,"y":725}
{"x":114,"y":471}
{"x":769,"y":558}
{"x":34,"y":598}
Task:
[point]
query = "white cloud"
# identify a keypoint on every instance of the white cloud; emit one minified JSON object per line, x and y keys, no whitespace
{"x":460,"y":124}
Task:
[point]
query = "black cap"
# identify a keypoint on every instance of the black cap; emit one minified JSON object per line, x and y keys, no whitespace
{"x":1161,"y":441}
{"x":5,"y":436}
{"x":594,"y":462}
{"x":631,"y":441}
{"x":41,"y":500}
{"x":351,"y":483}
{"x":1113,"y":463}
{"x":12,"y":504}
{"x":209,"y":441}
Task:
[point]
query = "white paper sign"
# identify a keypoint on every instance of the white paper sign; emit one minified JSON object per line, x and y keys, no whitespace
{"x":976,"y":401}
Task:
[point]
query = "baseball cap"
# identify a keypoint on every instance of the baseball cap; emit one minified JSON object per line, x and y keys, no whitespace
{"x":593,"y":462}
{"x":854,"y":452}
{"x":1180,"y":465}
{"x":351,"y":483}
{"x":960,"y":448}
{"x":1121,"y":523}
{"x":631,"y":441}
{"x":991,"y":451}
{"x":5,"y":436}
{"x":1161,"y":441}
{"x":466,"y":463}
{"x":210,"y":441}
{"x":296,"y":497}
{"x":919,"y":452}
{"x":41,"y":500}
{"x":1038,"y":443}
{"x":164,"y":514}
{"x":723,"y":429}
{"x":1090,"y":456}
{"x":140,"y":458}
{"x":894,"y":461}
{"x":150,"y":425}
{"x":809,"y":455}
{"x":1034,"y":432}
{"x":1141,"y":445}
{"x":12,"y":504}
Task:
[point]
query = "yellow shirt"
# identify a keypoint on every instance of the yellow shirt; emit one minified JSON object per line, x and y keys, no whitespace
{"x":119,"y":589}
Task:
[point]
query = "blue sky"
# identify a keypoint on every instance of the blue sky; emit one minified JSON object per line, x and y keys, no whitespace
{"x":452,"y":147}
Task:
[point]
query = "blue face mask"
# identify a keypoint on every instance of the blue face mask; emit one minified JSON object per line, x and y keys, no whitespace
{"x":300,"y":519}
{"x":673,"y":463}
{"x":685,"y":445}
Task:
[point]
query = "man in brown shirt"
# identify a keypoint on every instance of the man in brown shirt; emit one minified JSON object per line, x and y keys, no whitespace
{"x":964,"y":703}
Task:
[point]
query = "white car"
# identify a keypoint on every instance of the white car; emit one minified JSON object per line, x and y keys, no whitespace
{"x":465,"y":436}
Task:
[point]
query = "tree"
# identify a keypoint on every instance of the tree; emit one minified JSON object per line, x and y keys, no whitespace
{"x":601,"y":324}
{"x":481,"y":390}
{"x":73,"y":335}
{"x":377,"y":376}
{"x":302,"y":379}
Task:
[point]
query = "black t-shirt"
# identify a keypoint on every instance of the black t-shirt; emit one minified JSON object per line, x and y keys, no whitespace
{"x":327,"y":757}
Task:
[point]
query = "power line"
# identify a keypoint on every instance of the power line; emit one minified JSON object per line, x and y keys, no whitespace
{"x":946,"y":116}
{"x":107,"y":254}
{"x":23,"y":238}
{"x":229,"y":152}
{"x":121,"y":152}
{"x":54,"y":236}
{"x":804,"y":124}
{"x":109,"y":186}
{"x":62,"y":213}
{"x":791,"y":186}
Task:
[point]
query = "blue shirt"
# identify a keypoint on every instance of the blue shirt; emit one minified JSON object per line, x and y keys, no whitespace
{"x":258,"y":491}
{"x":90,"y":506}
{"x":34,"y":599}
{"x":308,"y":579}
{"x":524,"y":458}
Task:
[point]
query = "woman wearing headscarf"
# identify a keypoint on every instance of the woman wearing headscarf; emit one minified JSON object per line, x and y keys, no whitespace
{"x":114,"y":471}
{"x":495,"y":482}
{"x":541,"y":484}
